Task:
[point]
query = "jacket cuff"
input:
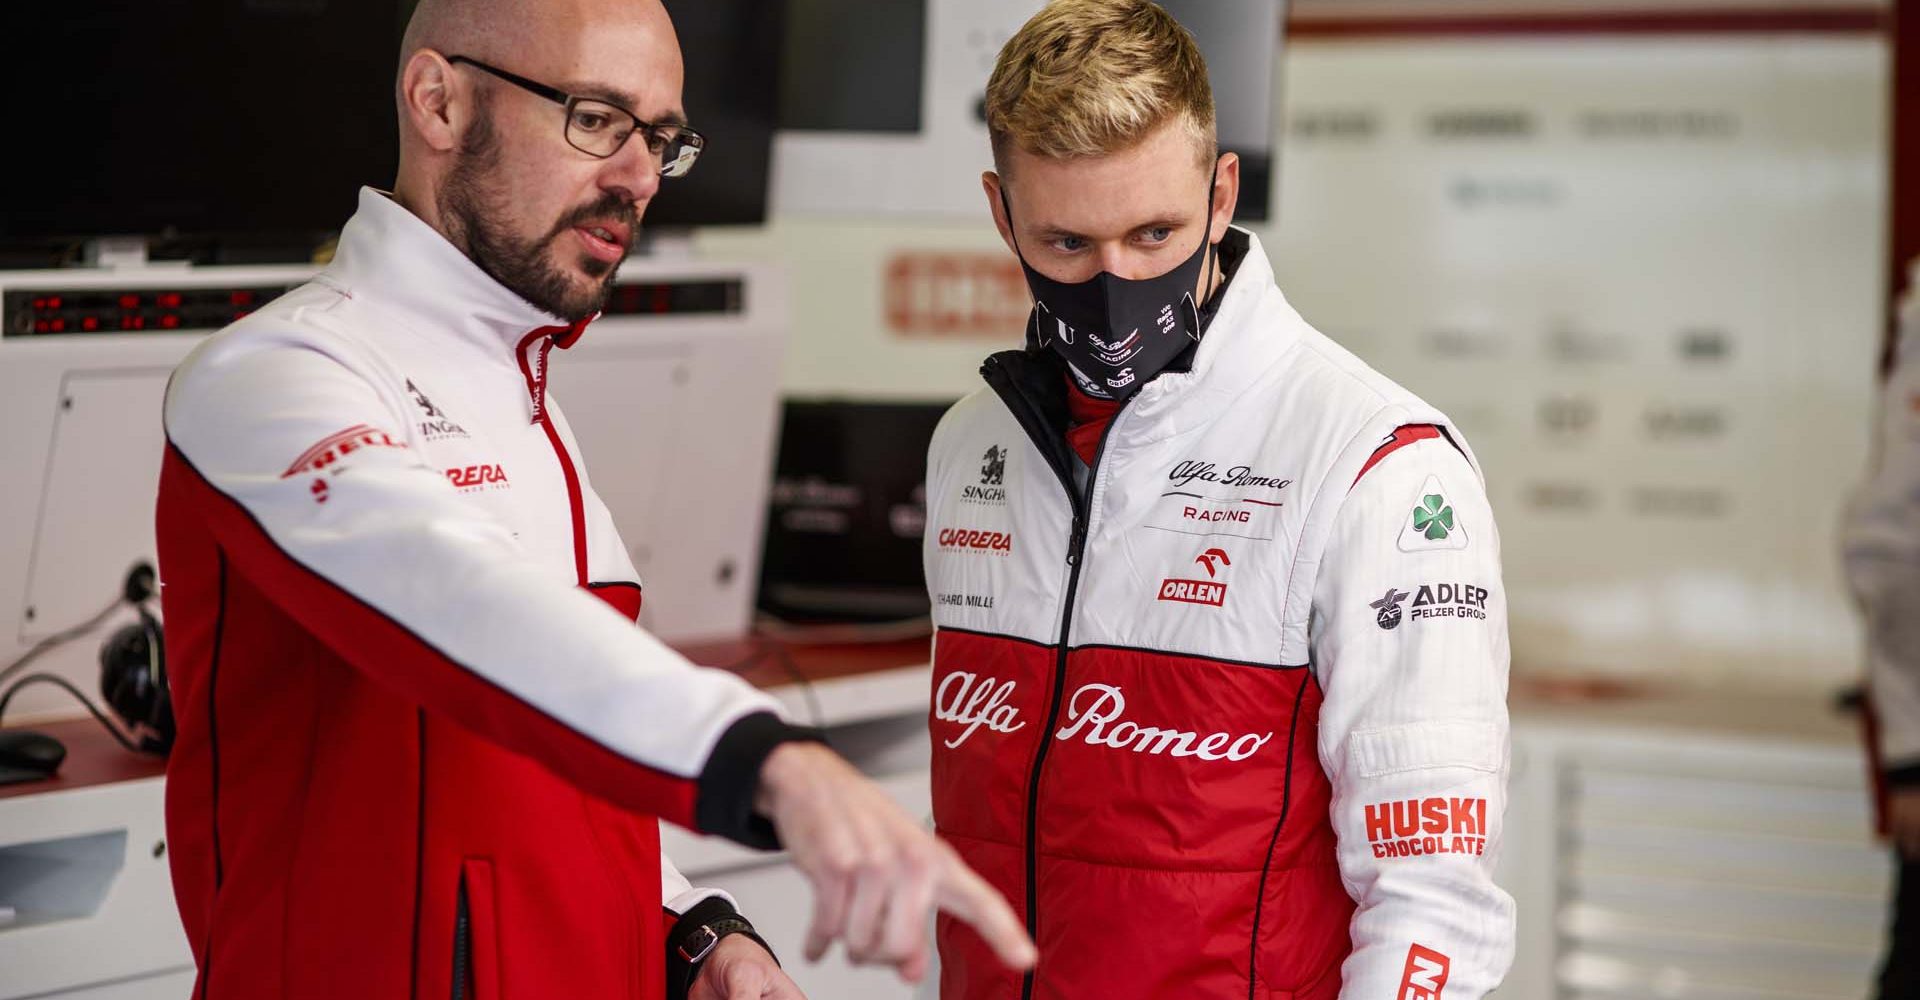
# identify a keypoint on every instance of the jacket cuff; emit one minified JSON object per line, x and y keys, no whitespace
{"x":1905,"y":774}
{"x":724,"y":805}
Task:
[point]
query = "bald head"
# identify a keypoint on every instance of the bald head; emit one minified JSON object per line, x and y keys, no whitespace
{"x":487,"y":154}
{"x":519,"y":30}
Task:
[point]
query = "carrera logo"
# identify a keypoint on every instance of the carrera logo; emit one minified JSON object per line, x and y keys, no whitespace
{"x":474,"y":477}
{"x":334,"y":447}
{"x":968,"y":540}
{"x":1414,"y":828}
{"x":1100,"y":718}
{"x":1425,"y":976}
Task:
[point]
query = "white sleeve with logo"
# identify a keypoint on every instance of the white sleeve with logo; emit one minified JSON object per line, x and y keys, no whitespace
{"x":428,"y":594}
{"x":1410,"y":647}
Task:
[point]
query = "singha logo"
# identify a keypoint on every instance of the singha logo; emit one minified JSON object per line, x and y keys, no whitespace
{"x":993,"y":467}
{"x":425,"y":403}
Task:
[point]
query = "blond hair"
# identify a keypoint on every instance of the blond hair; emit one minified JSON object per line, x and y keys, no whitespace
{"x":1089,"y":78}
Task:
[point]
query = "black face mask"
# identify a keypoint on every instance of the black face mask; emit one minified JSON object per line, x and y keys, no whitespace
{"x":1116,"y":333}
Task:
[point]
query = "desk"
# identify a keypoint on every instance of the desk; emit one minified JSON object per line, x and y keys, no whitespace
{"x":109,"y":931}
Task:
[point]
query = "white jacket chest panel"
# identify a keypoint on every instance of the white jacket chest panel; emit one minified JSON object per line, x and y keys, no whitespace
{"x":1204,"y":541}
{"x":475,"y":429}
{"x":998,"y":526}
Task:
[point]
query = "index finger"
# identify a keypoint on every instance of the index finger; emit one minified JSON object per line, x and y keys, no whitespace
{"x":971,"y":900}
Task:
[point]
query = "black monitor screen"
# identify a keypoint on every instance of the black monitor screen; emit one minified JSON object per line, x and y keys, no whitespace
{"x":262,"y":118}
{"x":847,"y":512}
{"x":732,"y":53}
{"x":132,"y":117}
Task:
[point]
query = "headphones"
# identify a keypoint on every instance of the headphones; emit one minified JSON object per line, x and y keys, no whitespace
{"x":133,"y":669}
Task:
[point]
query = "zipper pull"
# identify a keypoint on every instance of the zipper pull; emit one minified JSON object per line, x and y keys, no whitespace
{"x":1076,"y":541}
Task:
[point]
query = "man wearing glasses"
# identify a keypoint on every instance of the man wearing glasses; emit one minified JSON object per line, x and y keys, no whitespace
{"x":422,"y":748}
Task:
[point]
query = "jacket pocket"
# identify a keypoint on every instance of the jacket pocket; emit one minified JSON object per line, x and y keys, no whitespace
{"x":476,"y":946}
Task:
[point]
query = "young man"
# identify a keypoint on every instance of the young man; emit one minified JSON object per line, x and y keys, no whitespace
{"x":422,"y":746}
{"x":1220,"y":677}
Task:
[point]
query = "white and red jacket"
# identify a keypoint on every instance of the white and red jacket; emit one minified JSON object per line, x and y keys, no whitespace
{"x":1230,"y":718}
{"x":1881,"y":544}
{"x":422,"y":744}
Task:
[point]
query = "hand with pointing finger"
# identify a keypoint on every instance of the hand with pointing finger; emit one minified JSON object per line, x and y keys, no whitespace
{"x":877,"y":875}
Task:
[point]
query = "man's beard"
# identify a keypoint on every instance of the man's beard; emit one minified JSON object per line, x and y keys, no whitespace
{"x":470,"y":199}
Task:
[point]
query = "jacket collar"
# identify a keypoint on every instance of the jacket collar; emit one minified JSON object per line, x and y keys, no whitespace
{"x":1253,"y":330}
{"x":398,"y":261}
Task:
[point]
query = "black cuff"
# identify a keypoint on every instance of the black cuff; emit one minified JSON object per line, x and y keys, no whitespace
{"x":1903,"y":775}
{"x":724,"y":806}
{"x":696,"y":932}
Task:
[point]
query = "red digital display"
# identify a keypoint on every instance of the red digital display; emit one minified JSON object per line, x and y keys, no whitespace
{"x":168,"y":300}
{"x":129,"y":301}
{"x":170,"y":321}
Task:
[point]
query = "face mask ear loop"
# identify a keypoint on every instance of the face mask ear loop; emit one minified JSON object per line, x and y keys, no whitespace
{"x":1011,"y":234}
{"x":1206,"y":242}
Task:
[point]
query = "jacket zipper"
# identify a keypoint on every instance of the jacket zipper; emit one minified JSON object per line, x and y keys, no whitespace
{"x":462,"y":943}
{"x":1023,"y":413}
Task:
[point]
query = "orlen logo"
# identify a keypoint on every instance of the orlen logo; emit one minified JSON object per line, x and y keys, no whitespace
{"x":1100,"y":717}
{"x":337,"y":446}
{"x":477,"y":476}
{"x":969,"y":540}
{"x":1425,"y":976}
{"x":1199,"y":591}
{"x":1412,"y":828}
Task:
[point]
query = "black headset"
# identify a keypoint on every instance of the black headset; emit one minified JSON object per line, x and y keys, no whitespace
{"x":133,"y":669}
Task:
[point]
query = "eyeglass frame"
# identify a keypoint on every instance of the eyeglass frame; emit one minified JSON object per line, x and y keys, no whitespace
{"x":694,"y":137}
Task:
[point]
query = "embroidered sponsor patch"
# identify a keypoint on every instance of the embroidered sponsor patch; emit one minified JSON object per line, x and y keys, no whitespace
{"x":1418,"y":828}
{"x":1432,"y":523}
{"x":485,"y":476}
{"x":329,"y":450}
{"x":968,"y":540}
{"x":1425,"y":975}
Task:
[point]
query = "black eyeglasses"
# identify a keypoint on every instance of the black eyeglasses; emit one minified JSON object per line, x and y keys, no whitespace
{"x":599,"y":128}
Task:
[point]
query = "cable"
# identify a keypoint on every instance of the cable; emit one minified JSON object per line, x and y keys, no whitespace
{"x":135,"y":589}
{"x":843,"y":633}
{"x":761,"y":649}
{"x":806,"y":685}
{"x":63,"y":683}
{"x":58,"y":639}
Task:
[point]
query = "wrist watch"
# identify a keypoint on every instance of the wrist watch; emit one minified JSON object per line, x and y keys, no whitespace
{"x":700,"y":941}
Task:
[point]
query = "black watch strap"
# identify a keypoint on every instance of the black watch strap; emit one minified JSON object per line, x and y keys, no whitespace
{"x":694,"y":936}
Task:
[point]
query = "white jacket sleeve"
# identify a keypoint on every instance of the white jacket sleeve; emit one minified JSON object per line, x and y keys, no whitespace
{"x":1410,"y":646}
{"x":381,"y":559}
{"x":1881,"y":541}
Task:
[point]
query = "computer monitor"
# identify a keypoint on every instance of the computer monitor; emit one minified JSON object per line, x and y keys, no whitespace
{"x":847,"y":512}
